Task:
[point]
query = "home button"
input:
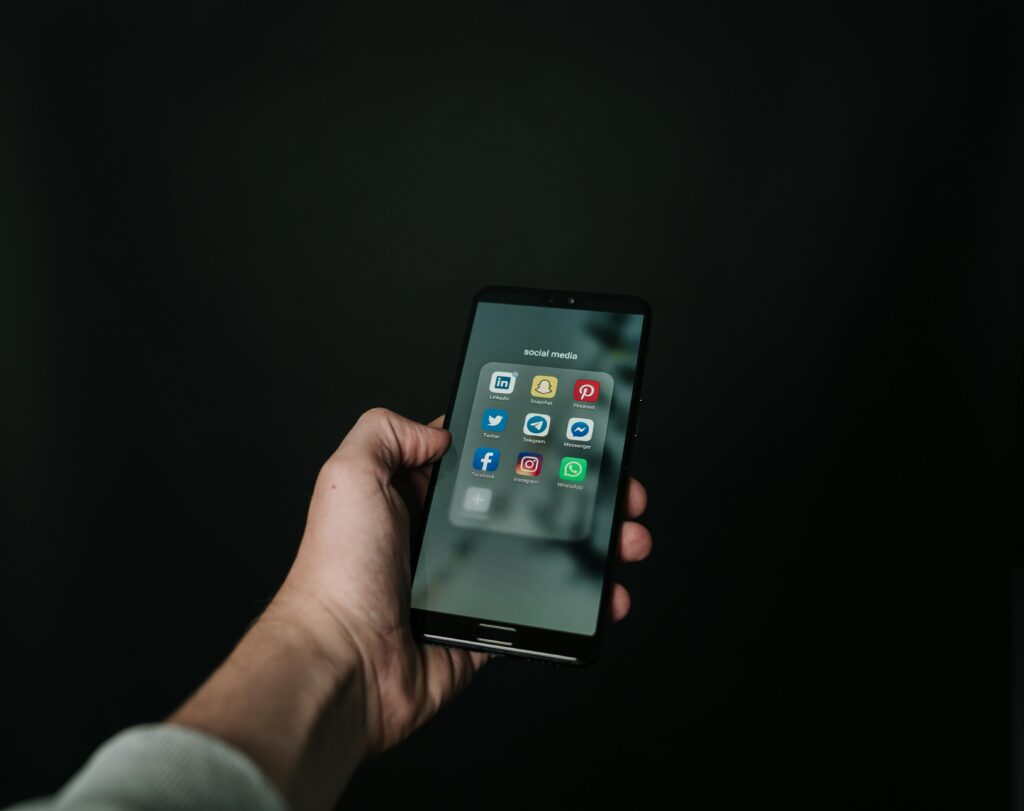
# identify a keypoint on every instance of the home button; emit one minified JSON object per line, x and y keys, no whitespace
{"x":495,"y":634}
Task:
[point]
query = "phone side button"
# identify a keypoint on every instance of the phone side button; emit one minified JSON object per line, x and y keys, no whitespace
{"x":495,"y":634}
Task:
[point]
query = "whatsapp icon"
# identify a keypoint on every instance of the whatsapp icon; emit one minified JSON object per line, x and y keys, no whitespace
{"x":572,"y":469}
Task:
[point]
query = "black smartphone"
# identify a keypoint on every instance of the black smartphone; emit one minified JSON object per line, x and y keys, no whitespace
{"x":515,"y":549}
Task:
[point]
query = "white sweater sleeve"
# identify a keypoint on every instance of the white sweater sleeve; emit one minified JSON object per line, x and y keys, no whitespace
{"x":163,"y":767}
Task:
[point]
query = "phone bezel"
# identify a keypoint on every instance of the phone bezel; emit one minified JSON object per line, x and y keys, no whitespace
{"x":538,"y":643}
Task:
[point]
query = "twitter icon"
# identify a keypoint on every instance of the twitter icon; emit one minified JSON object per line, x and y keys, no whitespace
{"x":494,"y":419}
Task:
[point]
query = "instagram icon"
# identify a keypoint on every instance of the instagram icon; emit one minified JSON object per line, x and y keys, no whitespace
{"x":528,"y":464}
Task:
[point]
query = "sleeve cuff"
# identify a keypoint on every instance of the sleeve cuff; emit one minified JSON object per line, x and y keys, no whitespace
{"x":165,"y":767}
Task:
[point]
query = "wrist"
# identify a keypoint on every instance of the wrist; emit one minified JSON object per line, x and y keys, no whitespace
{"x":326,"y":645}
{"x":343,"y":645}
{"x":293,"y":697}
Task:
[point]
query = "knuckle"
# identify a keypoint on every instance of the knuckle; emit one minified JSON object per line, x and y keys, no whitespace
{"x":331,"y":469}
{"x":375,"y":415}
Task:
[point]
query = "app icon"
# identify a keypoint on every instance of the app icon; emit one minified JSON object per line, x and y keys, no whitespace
{"x":486,"y":459}
{"x":494,"y":419}
{"x":503,"y":382}
{"x":586,"y":391}
{"x":573,"y":469}
{"x":536,"y":424}
{"x":478,"y":500}
{"x":528,"y":464}
{"x":579,"y":429}
{"x":544,"y":386}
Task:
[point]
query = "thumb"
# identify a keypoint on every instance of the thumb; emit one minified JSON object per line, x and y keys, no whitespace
{"x":393,"y":441}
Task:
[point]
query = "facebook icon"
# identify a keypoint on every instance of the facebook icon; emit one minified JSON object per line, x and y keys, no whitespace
{"x":486,"y":459}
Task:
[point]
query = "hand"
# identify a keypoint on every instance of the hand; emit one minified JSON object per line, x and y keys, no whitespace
{"x":350,"y":582}
{"x":330,"y":672}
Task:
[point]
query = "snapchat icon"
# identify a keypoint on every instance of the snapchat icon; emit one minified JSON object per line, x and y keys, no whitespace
{"x":544,"y":386}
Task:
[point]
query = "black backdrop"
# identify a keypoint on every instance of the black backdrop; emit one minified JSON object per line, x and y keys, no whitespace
{"x":227,"y":230}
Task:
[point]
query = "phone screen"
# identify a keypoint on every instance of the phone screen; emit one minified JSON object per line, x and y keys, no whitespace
{"x":522,"y":511}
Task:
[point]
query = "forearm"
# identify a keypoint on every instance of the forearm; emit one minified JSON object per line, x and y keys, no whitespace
{"x":292,"y":696}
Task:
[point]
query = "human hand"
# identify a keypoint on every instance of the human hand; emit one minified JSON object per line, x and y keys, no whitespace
{"x":350,"y":582}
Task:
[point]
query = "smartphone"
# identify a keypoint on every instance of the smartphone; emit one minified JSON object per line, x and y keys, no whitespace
{"x":515,"y":549}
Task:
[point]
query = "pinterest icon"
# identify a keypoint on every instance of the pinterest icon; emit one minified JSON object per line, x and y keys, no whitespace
{"x":586,"y":391}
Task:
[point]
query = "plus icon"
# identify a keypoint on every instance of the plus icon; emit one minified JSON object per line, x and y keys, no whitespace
{"x":478,"y":499}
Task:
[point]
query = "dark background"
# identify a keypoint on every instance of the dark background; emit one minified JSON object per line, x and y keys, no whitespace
{"x":227,"y":230}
